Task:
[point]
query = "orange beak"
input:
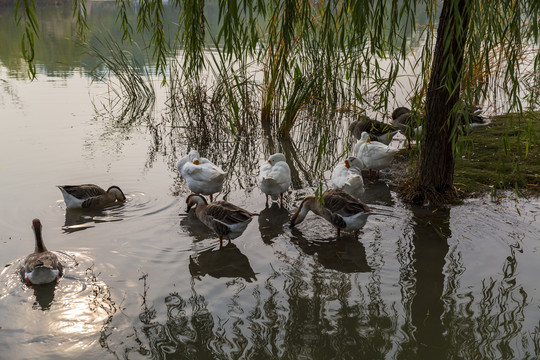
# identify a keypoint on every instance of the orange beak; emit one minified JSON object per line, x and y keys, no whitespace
{"x":196,"y":162}
{"x":347,"y":165}
{"x":269,"y":162}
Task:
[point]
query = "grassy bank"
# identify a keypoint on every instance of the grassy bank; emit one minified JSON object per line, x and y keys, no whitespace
{"x":503,"y":155}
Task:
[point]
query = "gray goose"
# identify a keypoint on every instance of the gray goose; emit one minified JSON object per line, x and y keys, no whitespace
{"x":90,"y":196}
{"x":342,"y":210}
{"x":41,"y":266}
{"x":377,"y":130}
{"x":225,"y":219}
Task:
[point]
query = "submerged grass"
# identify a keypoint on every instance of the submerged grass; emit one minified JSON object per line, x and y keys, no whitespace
{"x":503,"y":155}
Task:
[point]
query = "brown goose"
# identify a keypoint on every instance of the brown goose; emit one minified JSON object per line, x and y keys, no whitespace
{"x":225,"y":219}
{"x":377,"y":130}
{"x":41,"y":266}
{"x":89,"y":196}
{"x":339,"y":208}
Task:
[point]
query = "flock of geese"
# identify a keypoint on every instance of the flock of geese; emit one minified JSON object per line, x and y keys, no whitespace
{"x":228,"y":221}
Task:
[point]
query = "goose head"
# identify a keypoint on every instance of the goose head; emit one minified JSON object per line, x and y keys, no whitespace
{"x":117,"y":193}
{"x":277,"y":157}
{"x":365,"y":137}
{"x":354,"y":162}
{"x":194,"y":200}
{"x":194,"y":157}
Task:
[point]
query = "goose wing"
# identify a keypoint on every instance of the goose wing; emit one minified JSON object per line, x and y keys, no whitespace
{"x":83,"y":191}
{"x":227,"y":213}
{"x":339,"y":202}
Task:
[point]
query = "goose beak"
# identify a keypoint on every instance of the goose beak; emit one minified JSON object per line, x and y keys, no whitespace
{"x":347,"y":165}
{"x":188,"y":208}
{"x":269,"y":162}
{"x":196,"y":162}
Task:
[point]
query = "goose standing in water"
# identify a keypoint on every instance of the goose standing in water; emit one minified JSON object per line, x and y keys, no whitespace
{"x":41,"y":266}
{"x":200,"y":174}
{"x":377,"y":130}
{"x":342,"y":210}
{"x":89,"y":196}
{"x":275,"y":177}
{"x":347,"y":176}
{"x":225,"y":219}
{"x":373,"y":154}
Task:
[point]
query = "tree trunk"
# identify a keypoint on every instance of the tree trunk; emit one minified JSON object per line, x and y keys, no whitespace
{"x":436,"y":171}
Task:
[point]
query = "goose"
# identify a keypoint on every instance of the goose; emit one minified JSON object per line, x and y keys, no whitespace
{"x":373,"y":154}
{"x":225,"y":219}
{"x":200,"y":174}
{"x":90,"y":196}
{"x":41,"y":266}
{"x":342,"y":210}
{"x":348,"y":176}
{"x":275,"y":177}
{"x":377,"y":130}
{"x":408,"y":123}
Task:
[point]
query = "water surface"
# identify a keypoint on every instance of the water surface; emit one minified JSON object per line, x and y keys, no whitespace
{"x":145,"y":279}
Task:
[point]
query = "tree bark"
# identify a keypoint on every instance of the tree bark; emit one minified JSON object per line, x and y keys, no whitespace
{"x":436,"y":170}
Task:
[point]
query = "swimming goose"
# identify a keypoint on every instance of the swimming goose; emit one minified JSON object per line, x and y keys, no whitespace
{"x":225,"y":219}
{"x":377,"y":130}
{"x":275,"y":177}
{"x":41,"y":266}
{"x":339,"y":208}
{"x":90,"y":196}
{"x":373,"y":154}
{"x":347,"y":176}
{"x":201,"y":175}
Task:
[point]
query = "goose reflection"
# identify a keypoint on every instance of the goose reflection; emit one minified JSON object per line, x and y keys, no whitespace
{"x":77,"y":219}
{"x":347,"y":254}
{"x":271,"y":221}
{"x":44,"y":294}
{"x":227,"y":261}
{"x":377,"y":192}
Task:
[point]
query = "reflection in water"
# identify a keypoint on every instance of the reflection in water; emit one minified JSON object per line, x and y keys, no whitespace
{"x":345,"y":254}
{"x":77,"y":219}
{"x":272,"y":221}
{"x":377,"y":192}
{"x":431,"y":232}
{"x":491,"y":324}
{"x":227,"y":261}
{"x":44,"y":295}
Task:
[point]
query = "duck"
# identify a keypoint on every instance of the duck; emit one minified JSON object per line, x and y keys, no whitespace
{"x":41,"y":266}
{"x":348,"y":176}
{"x":90,"y":196}
{"x":275,"y":177}
{"x":201,"y":175}
{"x":342,"y":210}
{"x":377,"y":130}
{"x":223,"y":218}
{"x":373,"y":154}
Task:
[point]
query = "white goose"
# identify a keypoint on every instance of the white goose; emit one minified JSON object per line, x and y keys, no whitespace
{"x":41,"y":266}
{"x":373,"y":154}
{"x":225,"y":219}
{"x":347,"y":176}
{"x":275,"y":177}
{"x":201,"y":175}
{"x":89,"y":196}
{"x":339,"y":208}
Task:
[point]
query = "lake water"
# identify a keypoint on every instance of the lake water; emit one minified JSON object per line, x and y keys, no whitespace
{"x":145,"y":279}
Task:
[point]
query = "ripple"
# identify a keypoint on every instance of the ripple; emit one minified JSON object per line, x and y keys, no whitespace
{"x":71,"y":313}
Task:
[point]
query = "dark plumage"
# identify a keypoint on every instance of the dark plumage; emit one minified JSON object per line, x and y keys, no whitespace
{"x":225,"y":219}
{"x":377,"y":130}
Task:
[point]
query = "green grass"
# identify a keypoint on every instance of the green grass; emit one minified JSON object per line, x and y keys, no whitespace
{"x":503,"y":155}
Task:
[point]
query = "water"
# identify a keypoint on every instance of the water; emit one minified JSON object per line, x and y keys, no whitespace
{"x":145,"y":279}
